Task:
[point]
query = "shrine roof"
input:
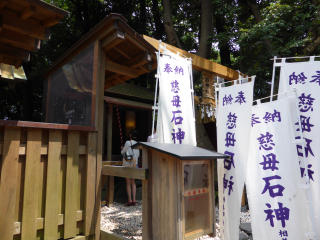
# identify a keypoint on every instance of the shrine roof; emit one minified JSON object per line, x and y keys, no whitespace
{"x":182,"y":151}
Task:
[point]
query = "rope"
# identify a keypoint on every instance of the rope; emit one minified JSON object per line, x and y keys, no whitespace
{"x":119,"y":126}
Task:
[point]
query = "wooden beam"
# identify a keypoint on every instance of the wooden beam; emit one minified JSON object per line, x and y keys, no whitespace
{"x":25,"y":27}
{"x":121,"y":69}
{"x":19,"y":40}
{"x":139,"y":60}
{"x":199,"y":63}
{"x":3,"y":3}
{"x":108,"y":235}
{"x":123,"y":52}
{"x":14,"y":53}
{"x":27,"y":12}
{"x":51,"y":21}
{"x":18,"y":64}
{"x":126,"y":172}
{"x":113,"y":39}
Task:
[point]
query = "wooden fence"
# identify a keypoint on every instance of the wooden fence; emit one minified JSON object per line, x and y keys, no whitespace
{"x":48,"y":181}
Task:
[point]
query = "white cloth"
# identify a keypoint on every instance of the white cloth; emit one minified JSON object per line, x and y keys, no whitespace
{"x":233,"y":135}
{"x":152,"y":138}
{"x":273,"y":173}
{"x":305,"y":77}
{"x":127,"y":146}
{"x":176,"y":112}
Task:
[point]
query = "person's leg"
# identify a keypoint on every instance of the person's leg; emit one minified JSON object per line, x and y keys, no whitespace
{"x":133,"y":183}
{"x":128,"y":183}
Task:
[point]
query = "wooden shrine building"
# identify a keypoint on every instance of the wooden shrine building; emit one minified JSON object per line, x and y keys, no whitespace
{"x":51,"y":172}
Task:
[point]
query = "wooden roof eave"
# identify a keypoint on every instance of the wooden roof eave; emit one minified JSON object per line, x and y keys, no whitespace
{"x":104,"y":28}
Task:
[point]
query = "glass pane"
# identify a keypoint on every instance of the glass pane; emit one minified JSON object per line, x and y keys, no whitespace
{"x":197,"y":198}
{"x":70,"y":91}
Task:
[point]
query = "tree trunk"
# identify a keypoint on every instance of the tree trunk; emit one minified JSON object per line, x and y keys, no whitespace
{"x":168,"y":26}
{"x":157,"y":20}
{"x":223,"y":45}
{"x":257,"y":16}
{"x":315,"y":30}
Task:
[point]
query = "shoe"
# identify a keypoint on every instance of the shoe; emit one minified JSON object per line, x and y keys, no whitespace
{"x":134,"y":203}
{"x":128,"y":204}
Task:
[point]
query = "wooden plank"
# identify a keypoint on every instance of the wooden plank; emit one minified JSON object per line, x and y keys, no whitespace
{"x":100,"y":114}
{"x":19,"y":40}
{"x":126,"y":172}
{"x":41,"y":222}
{"x":44,"y":149}
{"x":14,"y":53}
{"x":109,"y":132}
{"x":213,"y":200}
{"x":147,"y":196}
{"x":199,"y":63}
{"x":116,"y":163}
{"x":139,"y":60}
{"x":90,"y":185}
{"x":70,"y":226}
{"x":114,"y":39}
{"x":122,"y":51}
{"x":3,"y":3}
{"x":27,"y":12}
{"x":121,"y":69}
{"x":110,"y":191}
{"x":53,"y":175}
{"x":26,"y":27}
{"x":31,"y":185}
{"x":51,"y":21}
{"x":8,"y":187}
{"x":108,"y":235}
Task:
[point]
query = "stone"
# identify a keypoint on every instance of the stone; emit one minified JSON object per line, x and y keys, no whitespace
{"x":246,"y":227}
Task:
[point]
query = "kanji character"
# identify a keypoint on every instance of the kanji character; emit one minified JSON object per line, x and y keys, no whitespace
{"x":240,"y":98}
{"x":293,"y":77}
{"x":230,"y":139}
{"x":307,"y":148}
{"x":181,"y":71}
{"x":176,"y":70}
{"x":228,"y":162}
{"x":230,"y":186}
{"x":271,"y":117}
{"x":179,"y":135}
{"x":270,"y":216}
{"x":225,"y":182}
{"x":254,"y":120}
{"x":227,"y":100}
{"x":305,"y":124}
{"x":177,"y":120}
{"x":306,"y":103}
{"x":282,"y":214}
{"x":266,"y":141}
{"x":232,"y":120}
{"x":310,"y":172}
{"x":176,"y":101}
{"x":316,"y":78}
{"x":283,"y":233}
{"x":175,"y":86}
{"x":269,"y":162}
{"x":167,"y":68}
{"x":302,"y":78}
{"x":271,"y":189}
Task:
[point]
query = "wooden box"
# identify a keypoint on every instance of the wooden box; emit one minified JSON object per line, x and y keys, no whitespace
{"x":178,"y":197}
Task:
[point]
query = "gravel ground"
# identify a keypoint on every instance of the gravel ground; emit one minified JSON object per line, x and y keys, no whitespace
{"x":127,"y":221}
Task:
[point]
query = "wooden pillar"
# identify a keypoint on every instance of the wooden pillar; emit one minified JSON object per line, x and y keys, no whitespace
{"x":109,"y":132}
{"x":99,"y":79}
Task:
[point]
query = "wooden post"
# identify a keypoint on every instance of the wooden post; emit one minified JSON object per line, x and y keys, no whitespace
{"x":99,"y":77}
{"x":109,"y":140}
{"x":243,"y":201}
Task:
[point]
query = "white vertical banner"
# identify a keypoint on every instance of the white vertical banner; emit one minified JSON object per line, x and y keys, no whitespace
{"x":305,"y":78}
{"x":233,"y":130}
{"x":176,"y":110}
{"x":277,"y":202}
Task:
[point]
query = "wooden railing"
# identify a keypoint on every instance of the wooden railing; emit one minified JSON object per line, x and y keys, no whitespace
{"x":47,"y":181}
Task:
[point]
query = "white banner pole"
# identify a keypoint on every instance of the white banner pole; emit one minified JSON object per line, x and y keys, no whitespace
{"x":156,"y":90}
{"x":273,"y":76}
